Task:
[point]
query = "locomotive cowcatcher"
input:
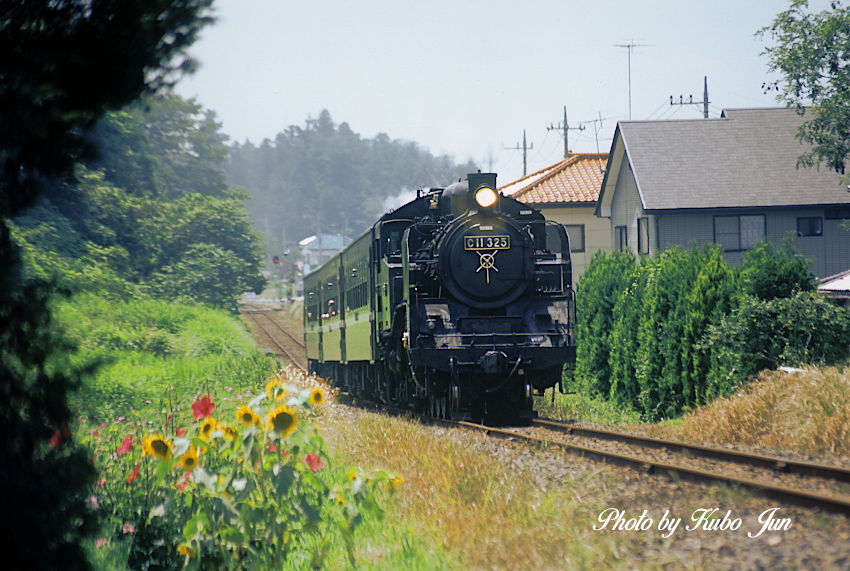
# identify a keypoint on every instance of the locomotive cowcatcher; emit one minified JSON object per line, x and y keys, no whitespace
{"x":458,"y":303}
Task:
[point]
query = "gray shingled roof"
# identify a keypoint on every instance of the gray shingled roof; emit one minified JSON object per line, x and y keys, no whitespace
{"x":746,"y":158}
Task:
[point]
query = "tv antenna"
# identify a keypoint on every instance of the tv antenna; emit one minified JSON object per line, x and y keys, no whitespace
{"x":630,"y":47}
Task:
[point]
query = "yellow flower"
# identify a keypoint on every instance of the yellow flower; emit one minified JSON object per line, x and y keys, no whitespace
{"x":317,"y":397}
{"x":223,"y":485}
{"x":247,"y":416}
{"x":230,"y":433}
{"x":207,"y":427}
{"x":283,"y":420}
{"x":189,"y":459}
{"x":184,"y":549}
{"x":274,"y":389}
{"x":157,"y":446}
{"x":352,"y":475}
{"x":395,"y":482}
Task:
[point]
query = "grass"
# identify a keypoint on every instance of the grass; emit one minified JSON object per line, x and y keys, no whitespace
{"x":576,"y":406}
{"x":464,"y":499}
{"x":806,"y":412}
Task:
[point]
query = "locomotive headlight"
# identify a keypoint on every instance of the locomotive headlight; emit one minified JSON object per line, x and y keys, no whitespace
{"x":486,"y":197}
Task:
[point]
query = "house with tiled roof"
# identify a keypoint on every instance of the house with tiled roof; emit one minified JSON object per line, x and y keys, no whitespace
{"x":566,"y":192}
{"x":731,"y":180}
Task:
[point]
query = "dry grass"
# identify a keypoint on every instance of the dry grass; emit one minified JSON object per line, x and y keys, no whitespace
{"x":806,"y":412}
{"x":464,"y":498}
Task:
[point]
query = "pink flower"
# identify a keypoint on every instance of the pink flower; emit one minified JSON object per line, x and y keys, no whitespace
{"x":101,"y":482}
{"x":313,"y":462}
{"x":91,"y":502}
{"x":100,"y":542}
{"x":203,"y":407}
{"x":129,"y":528}
{"x":181,"y":431}
{"x":126,"y":445}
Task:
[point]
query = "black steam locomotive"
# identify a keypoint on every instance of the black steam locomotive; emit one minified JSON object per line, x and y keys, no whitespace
{"x":458,"y":303}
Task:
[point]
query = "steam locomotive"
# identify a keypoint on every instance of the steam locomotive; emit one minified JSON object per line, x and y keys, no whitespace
{"x":458,"y":303}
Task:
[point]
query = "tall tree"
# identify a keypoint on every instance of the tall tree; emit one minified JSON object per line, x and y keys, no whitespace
{"x":64,"y":64}
{"x":812,"y":53}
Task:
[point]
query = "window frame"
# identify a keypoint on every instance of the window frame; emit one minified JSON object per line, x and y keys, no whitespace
{"x":741,"y":247}
{"x":817,"y":233}
{"x":580,"y":228}
{"x":621,"y":235}
{"x":643,"y":243}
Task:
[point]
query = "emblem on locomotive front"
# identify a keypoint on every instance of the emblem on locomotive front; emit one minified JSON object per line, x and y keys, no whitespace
{"x":486,"y":247}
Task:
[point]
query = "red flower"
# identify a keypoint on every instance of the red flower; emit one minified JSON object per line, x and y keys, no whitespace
{"x":134,"y":474}
{"x":202,"y":408}
{"x":313,"y":462}
{"x":60,"y":436}
{"x":181,"y":431}
{"x":126,"y":445}
{"x":272,"y":448}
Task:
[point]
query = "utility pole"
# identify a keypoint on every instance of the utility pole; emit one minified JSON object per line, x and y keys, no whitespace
{"x":691,"y":101}
{"x":566,"y":128}
{"x":525,"y":148}
{"x":630,"y":47}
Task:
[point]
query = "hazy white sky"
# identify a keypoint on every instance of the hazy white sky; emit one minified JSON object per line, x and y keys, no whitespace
{"x":465,"y":77}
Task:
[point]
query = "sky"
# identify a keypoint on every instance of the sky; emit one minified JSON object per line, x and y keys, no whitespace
{"x":465,"y":77}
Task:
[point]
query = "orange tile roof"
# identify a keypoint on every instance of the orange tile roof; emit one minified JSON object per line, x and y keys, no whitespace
{"x":576,"y":179}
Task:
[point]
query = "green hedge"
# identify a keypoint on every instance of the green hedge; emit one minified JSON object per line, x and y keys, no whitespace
{"x":675,"y":330}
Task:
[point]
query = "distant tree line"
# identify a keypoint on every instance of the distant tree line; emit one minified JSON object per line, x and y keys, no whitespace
{"x":671,"y":332}
{"x":324,"y":177}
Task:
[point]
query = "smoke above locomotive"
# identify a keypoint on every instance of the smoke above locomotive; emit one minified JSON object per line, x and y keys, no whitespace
{"x":458,"y":303}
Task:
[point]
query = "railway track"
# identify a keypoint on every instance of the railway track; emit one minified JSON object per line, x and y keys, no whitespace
{"x":801,"y":483}
{"x":795,"y":482}
{"x":272,"y":329}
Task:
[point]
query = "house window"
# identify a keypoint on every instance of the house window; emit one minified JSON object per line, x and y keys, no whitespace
{"x":738,"y":232}
{"x":576,"y":234}
{"x":621,"y":237}
{"x":810,"y":226}
{"x":643,"y":235}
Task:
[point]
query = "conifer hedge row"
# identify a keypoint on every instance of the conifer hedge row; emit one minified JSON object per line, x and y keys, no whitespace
{"x":669,"y":332}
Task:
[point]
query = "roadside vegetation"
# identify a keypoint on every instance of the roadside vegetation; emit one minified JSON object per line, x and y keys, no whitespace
{"x":665,"y":335}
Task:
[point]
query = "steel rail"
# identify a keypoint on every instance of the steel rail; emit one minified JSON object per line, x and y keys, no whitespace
{"x":838,"y":504}
{"x":252,"y":315}
{"x":784,"y":465}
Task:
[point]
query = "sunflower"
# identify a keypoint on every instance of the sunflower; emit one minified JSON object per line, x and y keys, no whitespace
{"x":247,"y":416}
{"x":317,"y":397}
{"x":184,"y":549}
{"x":229,"y":433}
{"x":207,"y":427}
{"x":283,"y":420}
{"x":274,"y":389}
{"x":156,"y":445}
{"x":189,"y":459}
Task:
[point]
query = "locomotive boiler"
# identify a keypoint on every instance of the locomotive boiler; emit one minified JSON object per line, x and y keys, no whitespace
{"x":458,"y":303}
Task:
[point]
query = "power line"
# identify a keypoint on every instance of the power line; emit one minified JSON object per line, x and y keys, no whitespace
{"x":691,"y":101}
{"x":565,"y":126}
{"x":524,"y":150}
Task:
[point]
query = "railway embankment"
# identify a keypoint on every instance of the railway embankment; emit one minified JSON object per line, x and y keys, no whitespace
{"x":491,"y":503}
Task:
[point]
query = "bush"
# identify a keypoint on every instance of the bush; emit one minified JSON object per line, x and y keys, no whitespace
{"x":596,"y":293}
{"x":764,"y":334}
{"x":771,"y":273}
